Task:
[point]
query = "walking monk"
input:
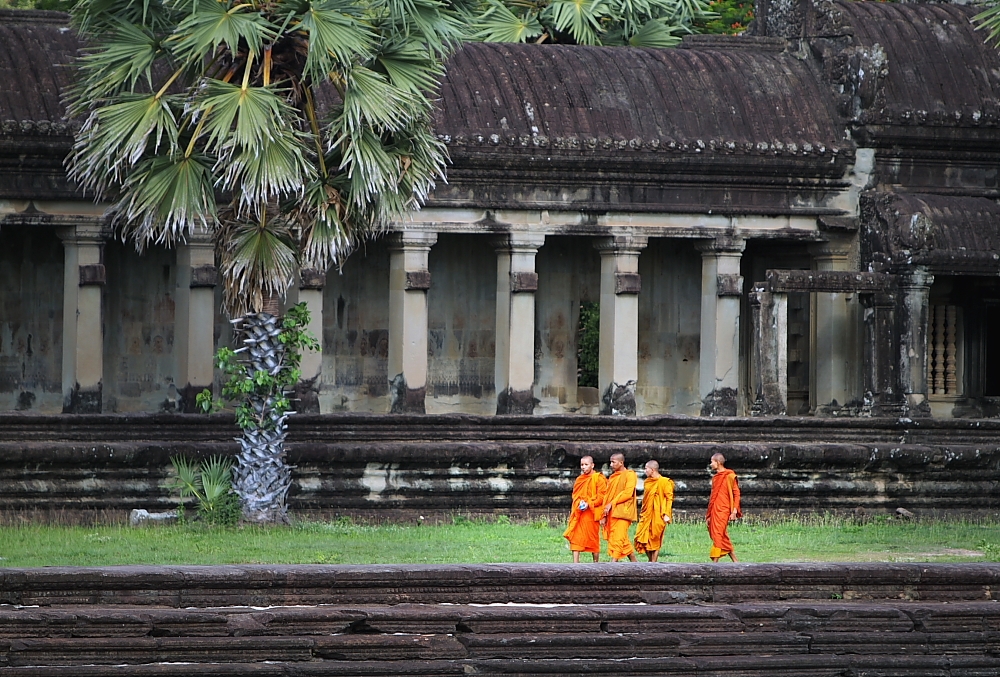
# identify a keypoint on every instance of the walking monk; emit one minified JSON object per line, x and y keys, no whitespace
{"x":657,"y":511}
{"x":723,"y":506}
{"x":619,"y":510}
{"x":584,"y":531}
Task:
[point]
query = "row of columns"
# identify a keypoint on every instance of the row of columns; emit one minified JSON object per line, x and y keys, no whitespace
{"x":84,"y":277}
{"x":517,"y":282}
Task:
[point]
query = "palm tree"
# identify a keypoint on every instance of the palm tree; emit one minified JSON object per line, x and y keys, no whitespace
{"x":638,"y":23}
{"x":290,"y":129}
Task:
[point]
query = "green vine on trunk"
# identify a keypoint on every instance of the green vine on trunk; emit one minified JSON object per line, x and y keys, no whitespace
{"x":244,"y":381}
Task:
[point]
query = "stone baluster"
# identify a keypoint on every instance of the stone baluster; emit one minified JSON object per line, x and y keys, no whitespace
{"x":951,"y":351}
{"x":938,"y":366}
{"x":913,"y":345}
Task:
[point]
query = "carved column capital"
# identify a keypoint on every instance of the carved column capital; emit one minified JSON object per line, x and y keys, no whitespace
{"x":621,"y":244}
{"x":518,"y":242}
{"x":725,"y":244}
{"x":91,"y":232}
{"x":412,"y":240}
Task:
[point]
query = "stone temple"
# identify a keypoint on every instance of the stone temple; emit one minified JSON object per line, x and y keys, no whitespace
{"x":799,"y":221}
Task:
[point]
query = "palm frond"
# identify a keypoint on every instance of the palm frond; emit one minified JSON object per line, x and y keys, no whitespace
{"x":579,"y":18}
{"x":989,"y":20}
{"x":166,"y":199}
{"x":409,"y":68}
{"x":211,"y":24}
{"x":369,"y":97}
{"x":272,"y":169}
{"x":242,"y":116}
{"x":657,"y":33}
{"x":188,"y":479}
{"x":118,"y":64}
{"x":500,"y":24}
{"x":335,"y":35}
{"x":258,"y":262}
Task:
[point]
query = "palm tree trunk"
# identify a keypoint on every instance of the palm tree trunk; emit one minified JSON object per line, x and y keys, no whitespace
{"x":262,"y":477}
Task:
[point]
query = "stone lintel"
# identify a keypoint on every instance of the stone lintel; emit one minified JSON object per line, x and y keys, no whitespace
{"x":204,"y":276}
{"x":417,"y":280}
{"x":93,"y":274}
{"x":832,"y":281}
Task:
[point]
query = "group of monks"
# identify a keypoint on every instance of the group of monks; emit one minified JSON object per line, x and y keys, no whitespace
{"x":611,"y":505}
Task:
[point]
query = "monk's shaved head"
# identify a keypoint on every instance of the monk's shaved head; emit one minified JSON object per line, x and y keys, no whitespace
{"x":620,"y":457}
{"x":652,"y":465}
{"x":719,"y":458}
{"x":588,"y":459}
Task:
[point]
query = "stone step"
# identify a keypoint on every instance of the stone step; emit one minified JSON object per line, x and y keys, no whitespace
{"x":606,"y":583}
{"x":831,"y":617}
{"x":116,"y":636}
{"x":730,"y":666}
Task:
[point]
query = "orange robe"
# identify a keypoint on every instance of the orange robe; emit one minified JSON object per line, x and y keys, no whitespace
{"x":724,"y":500}
{"x":657,"y":501}
{"x":621,"y":498}
{"x":584,"y":529}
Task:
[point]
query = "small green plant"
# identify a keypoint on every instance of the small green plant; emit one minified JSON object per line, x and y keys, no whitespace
{"x":503,"y":519}
{"x":588,"y":354}
{"x":244,"y":381}
{"x":991,"y":551}
{"x":210,"y":483}
{"x":461,"y":521}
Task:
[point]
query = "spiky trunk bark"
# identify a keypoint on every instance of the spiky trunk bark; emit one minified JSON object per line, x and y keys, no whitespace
{"x":262,"y":477}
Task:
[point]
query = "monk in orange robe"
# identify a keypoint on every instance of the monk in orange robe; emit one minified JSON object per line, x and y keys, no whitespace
{"x":723,"y":506}
{"x":584,"y":530}
{"x":657,"y":511}
{"x":619,"y":510}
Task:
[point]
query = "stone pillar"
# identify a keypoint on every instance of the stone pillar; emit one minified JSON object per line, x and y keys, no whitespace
{"x":409,"y":280}
{"x":915,"y":291}
{"x":517,"y":283}
{"x":834,"y":335}
{"x":721,"y":288}
{"x":619,"y":340}
{"x":83,"y":336}
{"x":770,"y":354}
{"x":311,"y":283}
{"x":194,"y":334}
{"x":882,"y":396}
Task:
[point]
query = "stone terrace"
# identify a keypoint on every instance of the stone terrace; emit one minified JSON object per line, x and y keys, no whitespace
{"x":614,"y":619}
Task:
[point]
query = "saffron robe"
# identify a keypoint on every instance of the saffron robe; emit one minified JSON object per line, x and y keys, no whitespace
{"x":621,"y":497}
{"x":657,"y":501}
{"x":724,"y":500}
{"x":584,"y":530}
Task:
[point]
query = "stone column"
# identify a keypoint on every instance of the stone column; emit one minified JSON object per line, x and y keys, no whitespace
{"x":915,"y":291}
{"x":834,"y":335}
{"x":721,"y":288}
{"x":194,"y":335}
{"x":409,"y":280}
{"x":517,"y":282}
{"x":618,"y":370}
{"x":770,"y":352}
{"x":311,"y":283}
{"x":83,"y":336}
{"x":882,"y":396}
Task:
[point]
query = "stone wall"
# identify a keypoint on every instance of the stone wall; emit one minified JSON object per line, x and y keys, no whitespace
{"x":399,"y":467}
{"x":31,"y":270}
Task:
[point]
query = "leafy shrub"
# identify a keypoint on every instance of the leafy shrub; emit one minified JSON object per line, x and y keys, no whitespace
{"x":730,"y":17}
{"x":210,"y":482}
{"x":588,"y":354}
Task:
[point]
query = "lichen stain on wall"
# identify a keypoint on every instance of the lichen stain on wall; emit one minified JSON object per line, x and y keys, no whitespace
{"x":139,"y":359}
{"x":31,"y":292}
{"x":356,"y":333}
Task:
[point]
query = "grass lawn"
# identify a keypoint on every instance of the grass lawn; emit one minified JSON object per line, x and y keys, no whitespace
{"x":792,"y":540}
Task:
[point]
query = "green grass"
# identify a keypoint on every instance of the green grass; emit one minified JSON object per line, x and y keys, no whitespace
{"x":791,"y":540}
